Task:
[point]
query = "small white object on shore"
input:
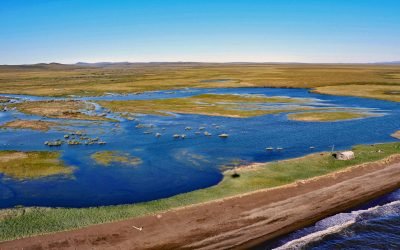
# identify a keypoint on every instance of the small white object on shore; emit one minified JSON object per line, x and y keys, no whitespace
{"x":345,"y":155}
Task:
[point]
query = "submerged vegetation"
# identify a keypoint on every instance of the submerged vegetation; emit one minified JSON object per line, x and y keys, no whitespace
{"x":326,"y":116}
{"x":20,"y":222}
{"x":208,"y":104}
{"x":32,"y":165}
{"x":106,"y":158}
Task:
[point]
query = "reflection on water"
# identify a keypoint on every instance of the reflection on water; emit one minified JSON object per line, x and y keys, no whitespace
{"x":171,"y":166}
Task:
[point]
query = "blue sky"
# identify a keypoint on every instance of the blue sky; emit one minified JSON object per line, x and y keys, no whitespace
{"x":69,"y":31}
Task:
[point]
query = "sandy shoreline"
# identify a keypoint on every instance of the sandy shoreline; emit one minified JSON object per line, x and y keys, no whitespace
{"x":236,"y":222}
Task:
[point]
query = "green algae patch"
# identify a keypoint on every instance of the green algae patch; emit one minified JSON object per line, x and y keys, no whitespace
{"x":326,"y":116}
{"x":32,"y":165}
{"x":107,"y":158}
{"x":239,"y":106}
{"x":22,"y":222}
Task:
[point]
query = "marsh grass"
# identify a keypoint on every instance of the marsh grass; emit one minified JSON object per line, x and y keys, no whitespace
{"x":32,"y":165}
{"x":207,"y":104}
{"x":383,"y":92}
{"x":106,"y":158}
{"x":65,"y":109}
{"x":22,"y":222}
{"x":30,"y":124}
{"x":63,"y":80}
{"x":326,"y":116}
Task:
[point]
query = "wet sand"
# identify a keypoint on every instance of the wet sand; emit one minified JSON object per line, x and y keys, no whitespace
{"x":236,"y":222}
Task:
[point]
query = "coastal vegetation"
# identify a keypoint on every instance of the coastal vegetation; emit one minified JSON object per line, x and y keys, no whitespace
{"x":326,"y":116}
{"x":32,"y":165}
{"x":20,"y":222}
{"x":106,"y":158}
{"x":30,"y":124}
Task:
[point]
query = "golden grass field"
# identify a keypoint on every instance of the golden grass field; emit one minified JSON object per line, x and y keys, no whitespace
{"x":383,"y":92}
{"x":63,"y":80}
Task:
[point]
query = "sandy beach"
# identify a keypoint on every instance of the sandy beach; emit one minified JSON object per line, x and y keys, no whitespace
{"x":237,"y":222}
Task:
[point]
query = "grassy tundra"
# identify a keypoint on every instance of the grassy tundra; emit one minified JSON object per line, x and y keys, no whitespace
{"x":64,"y":80}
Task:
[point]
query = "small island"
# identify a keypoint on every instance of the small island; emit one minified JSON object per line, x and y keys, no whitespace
{"x":32,"y":165}
{"x":326,"y":116}
{"x":30,"y":124}
{"x":106,"y":158}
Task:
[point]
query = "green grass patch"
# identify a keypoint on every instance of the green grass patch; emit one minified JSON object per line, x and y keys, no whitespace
{"x":22,"y":222}
{"x":32,"y":165}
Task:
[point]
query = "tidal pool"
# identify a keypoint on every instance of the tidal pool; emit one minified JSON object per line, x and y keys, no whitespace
{"x":170,"y":166}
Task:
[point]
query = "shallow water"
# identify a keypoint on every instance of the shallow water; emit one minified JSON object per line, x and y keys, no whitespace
{"x":174,"y":166}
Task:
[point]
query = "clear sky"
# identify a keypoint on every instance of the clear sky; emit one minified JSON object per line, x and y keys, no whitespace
{"x":69,"y":31}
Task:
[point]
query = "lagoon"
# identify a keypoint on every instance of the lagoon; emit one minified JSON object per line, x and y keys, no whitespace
{"x":169,"y":166}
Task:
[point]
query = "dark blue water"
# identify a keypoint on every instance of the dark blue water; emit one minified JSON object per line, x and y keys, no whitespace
{"x":375,"y":225}
{"x":175,"y":166}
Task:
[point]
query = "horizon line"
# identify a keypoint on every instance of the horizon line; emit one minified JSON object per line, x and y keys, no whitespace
{"x":199,"y":62}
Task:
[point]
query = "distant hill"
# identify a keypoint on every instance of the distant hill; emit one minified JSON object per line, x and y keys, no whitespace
{"x":39,"y":66}
{"x":389,"y":63}
{"x":102,"y":64}
{"x":82,"y":65}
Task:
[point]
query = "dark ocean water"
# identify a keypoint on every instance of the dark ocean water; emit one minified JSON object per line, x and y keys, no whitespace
{"x":375,"y":225}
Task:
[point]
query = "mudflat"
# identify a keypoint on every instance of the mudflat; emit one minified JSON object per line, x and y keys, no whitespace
{"x":236,"y":222}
